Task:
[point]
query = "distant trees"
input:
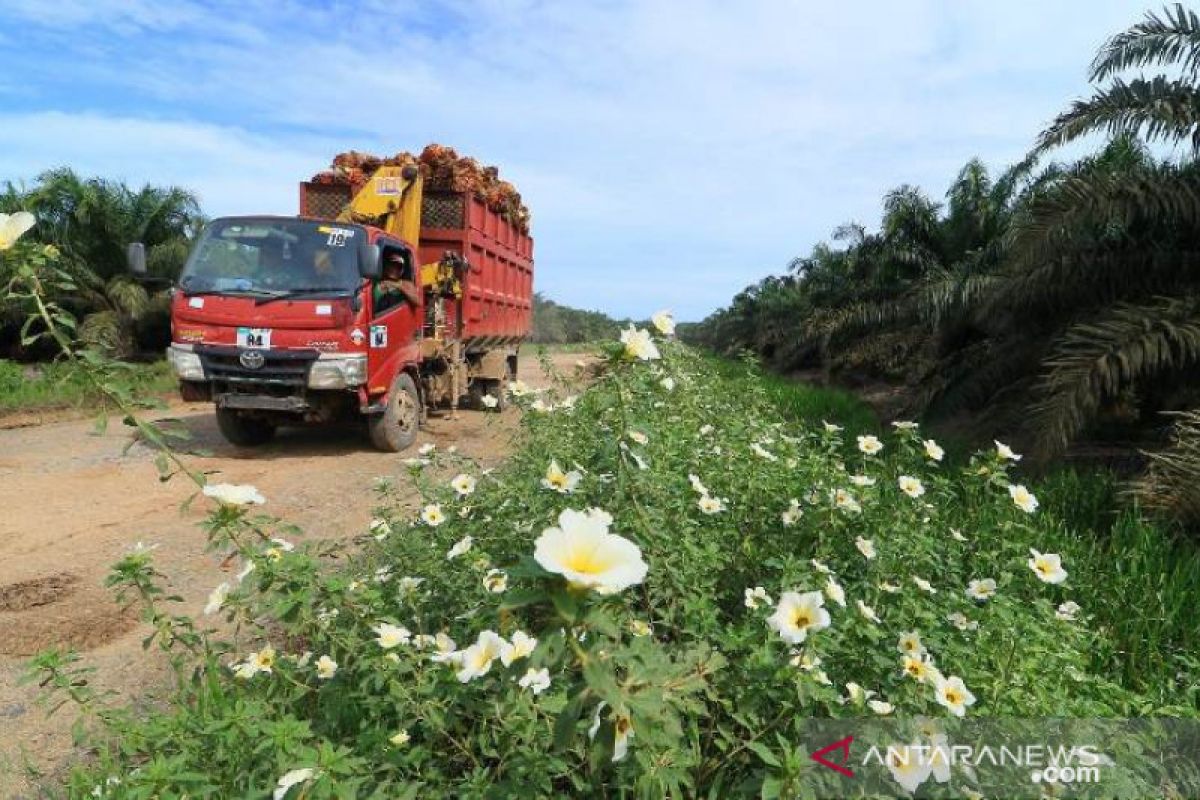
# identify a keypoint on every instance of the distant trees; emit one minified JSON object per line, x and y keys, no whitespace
{"x":559,"y":324}
{"x":1042,"y":298}
{"x":90,"y":221}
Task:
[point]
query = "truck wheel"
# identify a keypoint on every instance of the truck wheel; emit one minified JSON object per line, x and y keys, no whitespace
{"x":242,"y":430}
{"x":396,"y":428}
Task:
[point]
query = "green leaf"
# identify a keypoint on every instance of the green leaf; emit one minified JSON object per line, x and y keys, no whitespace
{"x":764,"y":752}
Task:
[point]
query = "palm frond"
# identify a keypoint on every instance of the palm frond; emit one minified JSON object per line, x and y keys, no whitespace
{"x":1092,"y":361}
{"x":1170,"y":39}
{"x":1158,"y":109}
{"x":1171,"y":482}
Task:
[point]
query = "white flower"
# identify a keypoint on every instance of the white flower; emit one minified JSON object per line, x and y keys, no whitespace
{"x":400,"y":738}
{"x":910,"y":644}
{"x":867,"y":612}
{"x":665,"y":322}
{"x":835,"y":592}
{"x":960,"y":621}
{"x":983,"y":589}
{"x":639,"y":627}
{"x":432,"y":515}
{"x":535,"y":680}
{"x":933,"y":450}
{"x":518,"y":389}
{"x":638,"y":344}
{"x":583,"y":551}
{"x":862,"y":480}
{"x":379,"y":528}
{"x":909,"y":766}
{"x":957,"y":535}
{"x":1067,"y":611}
{"x":797,"y":614}
{"x":489,"y":401}
{"x":756,"y":596}
{"x":924,"y":585}
{"x":706,"y":429}
{"x":763,"y":453}
{"x":496,"y":581}
{"x":639,"y":437}
{"x":1023,"y":498}
{"x":869,"y":445}
{"x":559,"y":481}
{"x":460,"y":547}
{"x":904,"y":425}
{"x":231,"y":494}
{"x":890,"y":588}
{"x":389,"y":636}
{"x":216,"y":599}
{"x":711,"y":505}
{"x":290,"y":779}
{"x":622,"y":733}
{"x":668,"y":383}
{"x":846,"y":502}
{"x":1047,"y":566}
{"x":830,"y":427}
{"x":408,"y":584}
{"x":820,"y":566}
{"x":540,"y":406}
{"x":520,"y":646}
{"x":477,"y":659}
{"x":953,"y":694}
{"x":13,"y":227}
{"x":911,"y":486}
{"x":865,"y":546}
{"x":426,"y":449}
{"x":447,"y":650}
{"x":920,"y":667}
{"x":857,"y":694}
{"x":463,"y":484}
{"x":881,"y":707}
{"x":792,"y":515}
{"x":326,"y":668}
{"x":1005,"y":452}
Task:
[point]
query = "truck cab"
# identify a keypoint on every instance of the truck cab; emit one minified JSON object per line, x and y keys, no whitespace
{"x":285,"y":321}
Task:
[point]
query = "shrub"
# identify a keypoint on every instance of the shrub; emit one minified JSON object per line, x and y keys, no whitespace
{"x":728,"y":576}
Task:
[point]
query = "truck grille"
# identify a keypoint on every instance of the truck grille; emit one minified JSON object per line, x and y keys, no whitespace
{"x":282,"y":372}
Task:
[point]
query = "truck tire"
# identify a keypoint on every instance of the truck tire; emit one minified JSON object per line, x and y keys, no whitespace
{"x":244,"y":431}
{"x":396,"y":428}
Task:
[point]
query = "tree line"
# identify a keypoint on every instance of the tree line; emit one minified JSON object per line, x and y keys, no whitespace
{"x":1051,"y":298}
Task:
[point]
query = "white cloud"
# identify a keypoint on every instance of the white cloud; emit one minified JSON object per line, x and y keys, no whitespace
{"x":671,"y":152}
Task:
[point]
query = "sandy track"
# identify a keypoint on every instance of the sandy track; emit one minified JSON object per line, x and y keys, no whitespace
{"x":71,"y":504}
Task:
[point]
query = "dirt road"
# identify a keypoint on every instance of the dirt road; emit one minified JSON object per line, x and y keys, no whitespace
{"x":71,"y":504}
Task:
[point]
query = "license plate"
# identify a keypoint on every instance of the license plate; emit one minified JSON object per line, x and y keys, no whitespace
{"x":259,"y":338}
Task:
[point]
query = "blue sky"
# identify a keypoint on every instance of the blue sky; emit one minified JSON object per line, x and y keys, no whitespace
{"x":671,"y":152}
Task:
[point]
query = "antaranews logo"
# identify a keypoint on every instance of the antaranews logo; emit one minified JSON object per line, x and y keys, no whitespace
{"x":840,"y":746}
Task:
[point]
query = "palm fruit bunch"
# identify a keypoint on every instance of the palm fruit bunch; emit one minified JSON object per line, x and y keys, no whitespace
{"x":443,"y":169}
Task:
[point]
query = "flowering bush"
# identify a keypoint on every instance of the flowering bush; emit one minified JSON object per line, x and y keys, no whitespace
{"x":650,"y":597}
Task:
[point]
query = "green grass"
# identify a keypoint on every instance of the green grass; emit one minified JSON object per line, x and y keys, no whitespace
{"x":59,"y":385}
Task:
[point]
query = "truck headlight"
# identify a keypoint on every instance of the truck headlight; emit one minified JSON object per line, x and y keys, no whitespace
{"x":187,"y":364}
{"x":331,"y":371}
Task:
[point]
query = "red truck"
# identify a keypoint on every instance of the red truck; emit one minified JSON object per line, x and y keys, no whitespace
{"x":381,"y":300}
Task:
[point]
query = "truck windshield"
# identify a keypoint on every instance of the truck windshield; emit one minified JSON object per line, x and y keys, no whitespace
{"x":274,"y":258}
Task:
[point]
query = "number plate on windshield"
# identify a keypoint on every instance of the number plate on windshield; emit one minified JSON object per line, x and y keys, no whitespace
{"x":259,"y":338}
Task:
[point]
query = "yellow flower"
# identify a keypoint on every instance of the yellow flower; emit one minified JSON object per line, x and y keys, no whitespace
{"x":984,"y":589}
{"x":910,"y":644}
{"x":845,"y":501}
{"x":797,"y":614}
{"x":933,"y":450}
{"x":920,"y":668}
{"x":401,"y":738}
{"x":639,"y":627}
{"x":521,"y":646}
{"x":911,"y":486}
{"x":13,"y":227}
{"x":1047,"y":566}
{"x":496,"y":581}
{"x":263,"y":660}
{"x":582,"y":550}
{"x":711,"y":505}
{"x":477,"y":659}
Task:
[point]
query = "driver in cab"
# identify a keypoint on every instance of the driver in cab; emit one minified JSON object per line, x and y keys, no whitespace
{"x":396,"y":284}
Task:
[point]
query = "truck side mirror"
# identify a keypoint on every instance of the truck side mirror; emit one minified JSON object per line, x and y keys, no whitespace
{"x":135,"y":258}
{"x":370,"y":261}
